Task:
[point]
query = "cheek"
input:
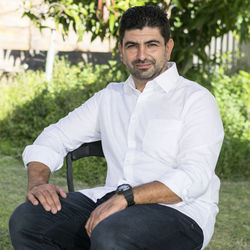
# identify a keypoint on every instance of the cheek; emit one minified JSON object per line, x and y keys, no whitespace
{"x":168,"y":54}
{"x":160,"y":54}
{"x":126,"y":60}
{"x":160,"y":58}
{"x":164,"y":56}
{"x":129,"y":58}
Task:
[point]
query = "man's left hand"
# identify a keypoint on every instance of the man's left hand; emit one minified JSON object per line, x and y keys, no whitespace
{"x":115,"y":204}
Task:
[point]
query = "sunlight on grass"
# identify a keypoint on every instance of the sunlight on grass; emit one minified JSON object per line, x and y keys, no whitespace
{"x":232,"y":230}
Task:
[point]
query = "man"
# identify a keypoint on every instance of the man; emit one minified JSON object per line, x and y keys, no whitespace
{"x":161,"y":135}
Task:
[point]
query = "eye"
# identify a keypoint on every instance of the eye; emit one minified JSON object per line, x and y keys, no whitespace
{"x":151,"y":45}
{"x":131,"y":45}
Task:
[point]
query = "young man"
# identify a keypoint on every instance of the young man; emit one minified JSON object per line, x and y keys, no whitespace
{"x":161,"y":135}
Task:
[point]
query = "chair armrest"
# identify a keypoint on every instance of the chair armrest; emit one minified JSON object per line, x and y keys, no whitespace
{"x":85,"y":150}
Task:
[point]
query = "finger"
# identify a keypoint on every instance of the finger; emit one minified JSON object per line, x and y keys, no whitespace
{"x":52,"y":199}
{"x":93,"y":220}
{"x":56,"y":200}
{"x":32,"y":199}
{"x":91,"y":223}
{"x":94,"y":224}
{"x":42,"y":199}
{"x":61,"y":191}
{"x":87,"y":228}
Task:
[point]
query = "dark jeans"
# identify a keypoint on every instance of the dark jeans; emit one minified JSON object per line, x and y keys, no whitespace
{"x":139,"y":227}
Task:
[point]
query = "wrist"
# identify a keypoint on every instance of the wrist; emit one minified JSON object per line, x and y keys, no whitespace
{"x":121,"y":201}
{"x":34,"y":185}
{"x":126,"y":191}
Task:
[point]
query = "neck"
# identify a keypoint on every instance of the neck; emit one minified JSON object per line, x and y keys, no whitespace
{"x":140,"y":84}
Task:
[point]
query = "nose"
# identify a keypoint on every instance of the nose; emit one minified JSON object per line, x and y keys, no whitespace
{"x":141,"y":53}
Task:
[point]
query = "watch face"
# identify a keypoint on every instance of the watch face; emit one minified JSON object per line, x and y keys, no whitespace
{"x":123,"y":187}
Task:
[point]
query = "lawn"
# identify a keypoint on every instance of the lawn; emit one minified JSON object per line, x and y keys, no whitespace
{"x":232,"y":230}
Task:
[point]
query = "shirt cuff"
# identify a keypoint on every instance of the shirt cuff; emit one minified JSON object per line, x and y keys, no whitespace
{"x":179,"y":182}
{"x":44,"y":155}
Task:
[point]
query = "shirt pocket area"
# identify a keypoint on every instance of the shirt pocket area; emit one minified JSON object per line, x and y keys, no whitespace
{"x":162,"y":138}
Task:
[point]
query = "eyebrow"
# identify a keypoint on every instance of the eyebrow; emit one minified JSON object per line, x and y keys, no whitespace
{"x":152,"y":41}
{"x":147,"y":42}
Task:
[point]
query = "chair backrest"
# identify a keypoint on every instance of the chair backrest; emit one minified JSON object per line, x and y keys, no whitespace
{"x":85,"y":150}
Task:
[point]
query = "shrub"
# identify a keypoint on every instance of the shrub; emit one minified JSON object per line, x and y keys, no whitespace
{"x":29,"y":104}
{"x":232,"y":95}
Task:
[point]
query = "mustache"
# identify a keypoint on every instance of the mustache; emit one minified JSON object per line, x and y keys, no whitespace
{"x":143,"y":61}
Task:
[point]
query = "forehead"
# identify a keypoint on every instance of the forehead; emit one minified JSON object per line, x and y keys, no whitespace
{"x":143,"y":35}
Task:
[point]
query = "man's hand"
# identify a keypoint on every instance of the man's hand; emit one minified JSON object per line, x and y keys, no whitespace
{"x":47,"y":195}
{"x":115,"y":204}
{"x":40,"y":191}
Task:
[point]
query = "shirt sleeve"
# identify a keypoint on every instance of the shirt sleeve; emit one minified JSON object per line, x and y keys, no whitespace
{"x":79,"y":126}
{"x":199,"y":147}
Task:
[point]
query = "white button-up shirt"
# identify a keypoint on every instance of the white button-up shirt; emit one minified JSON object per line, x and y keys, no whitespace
{"x":171,"y":132}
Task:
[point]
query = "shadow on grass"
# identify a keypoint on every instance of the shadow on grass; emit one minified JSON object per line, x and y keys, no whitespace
{"x":13,"y":188}
{"x":232,"y":227}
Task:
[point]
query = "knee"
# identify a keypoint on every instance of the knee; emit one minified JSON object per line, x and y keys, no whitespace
{"x":17,"y":219}
{"x":103,"y":238}
{"x":109,"y":235}
{"x":20,"y":221}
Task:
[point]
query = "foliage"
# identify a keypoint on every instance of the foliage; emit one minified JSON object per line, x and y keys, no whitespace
{"x":29,"y":104}
{"x":91,"y":170}
{"x":232,"y":95}
{"x":193,"y":22}
{"x":98,"y":17}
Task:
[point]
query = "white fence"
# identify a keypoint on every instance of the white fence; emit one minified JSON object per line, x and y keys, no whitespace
{"x":225,"y":48}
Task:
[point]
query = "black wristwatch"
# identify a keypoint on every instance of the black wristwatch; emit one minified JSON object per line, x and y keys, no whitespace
{"x":127,"y":191}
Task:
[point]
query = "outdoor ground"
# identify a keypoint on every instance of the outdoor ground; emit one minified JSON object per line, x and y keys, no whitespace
{"x":232,"y":230}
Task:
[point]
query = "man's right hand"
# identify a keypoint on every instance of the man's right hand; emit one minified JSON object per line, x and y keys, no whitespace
{"x":40,"y":191}
{"x":47,"y":195}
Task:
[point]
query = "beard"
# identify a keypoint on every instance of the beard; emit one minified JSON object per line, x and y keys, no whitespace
{"x":147,"y":73}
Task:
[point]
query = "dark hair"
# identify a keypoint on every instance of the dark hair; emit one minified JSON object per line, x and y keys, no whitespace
{"x":144,"y":16}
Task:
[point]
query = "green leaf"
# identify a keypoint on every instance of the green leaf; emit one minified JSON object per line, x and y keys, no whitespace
{"x":112,"y":22}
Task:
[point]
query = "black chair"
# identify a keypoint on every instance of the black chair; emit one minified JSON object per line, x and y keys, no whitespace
{"x":85,"y":150}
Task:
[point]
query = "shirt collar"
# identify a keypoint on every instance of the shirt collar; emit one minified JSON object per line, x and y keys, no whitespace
{"x":129,"y":85}
{"x":167,"y":80}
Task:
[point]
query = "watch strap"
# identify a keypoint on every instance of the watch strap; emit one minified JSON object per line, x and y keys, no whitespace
{"x":129,"y":196}
{"x":127,"y":191}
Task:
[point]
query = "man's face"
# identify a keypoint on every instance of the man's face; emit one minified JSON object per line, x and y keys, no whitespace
{"x":145,"y":53}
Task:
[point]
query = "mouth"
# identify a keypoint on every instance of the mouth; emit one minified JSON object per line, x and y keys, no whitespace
{"x":143,"y":65}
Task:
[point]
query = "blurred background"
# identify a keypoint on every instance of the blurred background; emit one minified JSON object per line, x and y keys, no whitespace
{"x":54,"y":55}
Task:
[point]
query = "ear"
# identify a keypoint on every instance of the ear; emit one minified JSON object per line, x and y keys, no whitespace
{"x":169,"y":48}
{"x":120,"y":47}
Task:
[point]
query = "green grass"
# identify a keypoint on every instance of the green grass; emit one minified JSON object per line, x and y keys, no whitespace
{"x":232,"y":230}
{"x":13,"y":188}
